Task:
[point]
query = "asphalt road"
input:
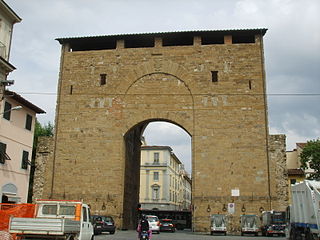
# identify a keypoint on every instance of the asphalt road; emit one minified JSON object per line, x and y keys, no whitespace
{"x":178,"y":235}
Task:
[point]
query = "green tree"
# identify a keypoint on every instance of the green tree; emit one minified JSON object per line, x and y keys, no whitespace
{"x":39,"y":130}
{"x":45,"y":130}
{"x":310,"y":157}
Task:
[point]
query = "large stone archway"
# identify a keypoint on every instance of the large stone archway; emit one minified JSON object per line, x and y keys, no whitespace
{"x":110,"y":87}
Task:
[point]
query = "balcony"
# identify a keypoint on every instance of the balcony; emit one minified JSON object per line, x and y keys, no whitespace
{"x":155,"y":164}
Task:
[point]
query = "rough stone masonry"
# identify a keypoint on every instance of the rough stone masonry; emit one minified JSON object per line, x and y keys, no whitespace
{"x":210,"y":83}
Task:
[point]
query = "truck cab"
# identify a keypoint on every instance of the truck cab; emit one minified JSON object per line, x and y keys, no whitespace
{"x":273,"y":222}
{"x":218,"y":224}
{"x":250,"y":224}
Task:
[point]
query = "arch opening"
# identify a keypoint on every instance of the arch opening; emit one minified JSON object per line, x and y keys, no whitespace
{"x":157,"y":164}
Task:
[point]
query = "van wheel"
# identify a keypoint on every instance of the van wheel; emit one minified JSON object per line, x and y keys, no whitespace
{"x":92,"y":238}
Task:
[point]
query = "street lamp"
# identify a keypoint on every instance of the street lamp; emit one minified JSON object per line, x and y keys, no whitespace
{"x":12,"y":109}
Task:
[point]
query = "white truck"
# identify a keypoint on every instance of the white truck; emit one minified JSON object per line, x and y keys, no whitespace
{"x":218,"y":224}
{"x":304,"y":213}
{"x":250,"y":224}
{"x":55,"y":219}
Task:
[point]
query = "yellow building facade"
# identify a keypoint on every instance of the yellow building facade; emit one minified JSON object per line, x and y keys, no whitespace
{"x":164,"y":184}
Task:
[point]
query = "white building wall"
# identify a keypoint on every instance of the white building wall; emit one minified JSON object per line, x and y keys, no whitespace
{"x":17,"y":139}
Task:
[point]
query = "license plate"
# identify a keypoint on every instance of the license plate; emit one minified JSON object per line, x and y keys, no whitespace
{"x":98,"y":226}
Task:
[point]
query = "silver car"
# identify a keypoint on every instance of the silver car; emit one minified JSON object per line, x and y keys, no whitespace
{"x":154,"y":223}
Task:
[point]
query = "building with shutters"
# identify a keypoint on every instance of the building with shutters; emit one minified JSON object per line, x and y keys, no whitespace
{"x":17,"y":124}
{"x":164,"y":183}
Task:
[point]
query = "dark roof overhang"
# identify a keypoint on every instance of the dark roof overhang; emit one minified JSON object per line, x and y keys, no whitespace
{"x":6,"y":65}
{"x":156,"y":148}
{"x":14,"y":17}
{"x":23,"y":101}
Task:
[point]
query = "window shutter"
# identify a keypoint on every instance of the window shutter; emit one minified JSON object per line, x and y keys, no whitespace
{"x":3,"y":155}
{"x":24,"y":163}
{"x":7,"y":111}
{"x":28,"y":122}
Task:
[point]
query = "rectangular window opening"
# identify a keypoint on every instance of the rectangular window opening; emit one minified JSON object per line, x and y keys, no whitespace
{"x":243,"y":39}
{"x":7,"y":111}
{"x":156,"y":157}
{"x":214,"y":76}
{"x":156,"y":176}
{"x":103,"y":79}
{"x":93,"y":45}
{"x":28,"y":122}
{"x":250,"y":84}
{"x":139,"y":42}
{"x":177,"y":40}
{"x":208,"y":40}
{"x":71,"y":89}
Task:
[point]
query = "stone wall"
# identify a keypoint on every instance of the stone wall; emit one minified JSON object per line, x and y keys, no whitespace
{"x":43,"y":166}
{"x":278,"y":172}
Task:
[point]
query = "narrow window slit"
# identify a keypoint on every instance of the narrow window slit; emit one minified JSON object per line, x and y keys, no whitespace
{"x":214,"y":76}
{"x":103,"y":79}
{"x":71,"y":89}
{"x":249,"y":84}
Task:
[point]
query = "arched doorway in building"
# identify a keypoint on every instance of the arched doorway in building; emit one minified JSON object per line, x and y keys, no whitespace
{"x":9,"y":193}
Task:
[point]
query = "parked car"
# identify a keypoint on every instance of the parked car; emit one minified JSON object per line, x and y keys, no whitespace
{"x":103,"y":224}
{"x":154,"y":223}
{"x":166,"y":225}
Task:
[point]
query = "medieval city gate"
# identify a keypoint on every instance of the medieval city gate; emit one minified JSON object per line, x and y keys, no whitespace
{"x":211,"y":83}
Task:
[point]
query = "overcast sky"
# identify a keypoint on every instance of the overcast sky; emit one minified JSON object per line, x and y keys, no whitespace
{"x":292,"y":51}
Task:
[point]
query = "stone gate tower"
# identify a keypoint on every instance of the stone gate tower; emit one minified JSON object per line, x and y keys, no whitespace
{"x":210,"y":83}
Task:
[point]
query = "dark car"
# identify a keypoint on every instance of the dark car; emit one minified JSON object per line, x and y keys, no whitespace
{"x":103,"y":224}
{"x":166,"y":225}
